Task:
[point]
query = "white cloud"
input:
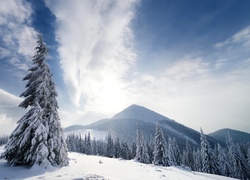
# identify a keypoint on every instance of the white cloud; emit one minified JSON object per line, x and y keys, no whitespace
{"x":242,"y":38}
{"x":188,"y":67}
{"x":193,"y":93}
{"x":7,"y":123}
{"x":16,"y":33}
{"x":9,"y":111}
{"x":96,"y":50}
{"x":4,"y":52}
{"x":9,"y":99}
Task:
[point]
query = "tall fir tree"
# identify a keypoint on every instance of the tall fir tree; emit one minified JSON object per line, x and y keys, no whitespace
{"x":160,"y":148}
{"x":205,"y":159}
{"x":209,"y":163}
{"x":141,"y":148}
{"x":197,"y":160}
{"x":38,"y":137}
{"x":223,"y":162}
{"x":173,"y":152}
{"x":188,"y":157}
{"x":125,"y":151}
{"x":110,"y":146}
{"x":117,"y":148}
{"x":240,"y":167}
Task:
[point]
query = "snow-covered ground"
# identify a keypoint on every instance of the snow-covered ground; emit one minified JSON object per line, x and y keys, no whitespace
{"x":85,"y":167}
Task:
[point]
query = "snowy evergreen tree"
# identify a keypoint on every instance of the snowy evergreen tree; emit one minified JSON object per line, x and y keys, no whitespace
{"x":197,"y":160}
{"x":173,"y":152}
{"x":38,"y":137}
{"x":117,"y":152}
{"x":125,"y":151}
{"x":110,"y":146}
{"x":150,"y":147}
{"x":231,"y":155}
{"x":204,"y":154}
{"x":94,"y":148}
{"x":224,"y":166}
{"x":239,"y":165}
{"x":160,"y":148}
{"x":133,"y":150}
{"x":141,"y":148}
{"x":176,"y":151}
{"x":208,"y":159}
{"x":188,"y":159}
{"x":88,"y":148}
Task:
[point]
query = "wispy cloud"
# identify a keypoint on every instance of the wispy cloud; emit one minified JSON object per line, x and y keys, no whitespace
{"x":96,"y":49}
{"x":241,"y":38}
{"x":199,"y":90}
{"x":17,"y":35}
{"x":233,"y":53}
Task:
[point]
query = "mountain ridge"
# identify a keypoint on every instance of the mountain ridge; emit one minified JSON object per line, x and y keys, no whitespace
{"x":236,"y":135}
{"x":123,"y":126}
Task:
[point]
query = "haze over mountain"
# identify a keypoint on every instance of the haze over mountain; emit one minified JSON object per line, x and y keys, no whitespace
{"x":123,"y":125}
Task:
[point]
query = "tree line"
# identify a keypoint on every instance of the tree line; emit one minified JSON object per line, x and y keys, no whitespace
{"x":233,"y":160}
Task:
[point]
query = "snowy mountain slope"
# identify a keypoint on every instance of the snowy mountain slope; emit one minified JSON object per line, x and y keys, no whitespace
{"x":83,"y":167}
{"x":123,"y":125}
{"x":237,"y":136}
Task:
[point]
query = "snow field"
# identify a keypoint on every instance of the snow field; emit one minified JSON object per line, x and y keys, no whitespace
{"x":86,"y":167}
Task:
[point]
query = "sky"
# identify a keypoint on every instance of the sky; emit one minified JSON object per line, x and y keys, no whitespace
{"x":187,"y":60}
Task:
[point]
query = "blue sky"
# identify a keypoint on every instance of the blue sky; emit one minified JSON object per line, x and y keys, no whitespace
{"x":188,"y":60}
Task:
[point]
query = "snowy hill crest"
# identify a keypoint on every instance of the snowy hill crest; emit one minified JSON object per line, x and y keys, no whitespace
{"x":140,"y":113}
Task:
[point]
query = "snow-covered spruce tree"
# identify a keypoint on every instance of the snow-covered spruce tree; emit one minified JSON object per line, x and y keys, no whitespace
{"x":197,"y":160}
{"x":110,"y":146}
{"x":94,"y":147}
{"x":117,"y":148}
{"x":239,"y":165}
{"x":88,"y":149}
{"x":173,"y":152}
{"x":160,"y":148}
{"x":224,"y":166}
{"x":176,"y":151}
{"x":209,"y":163}
{"x":188,"y":159}
{"x":141,"y":148}
{"x":205,"y":154}
{"x":38,"y":137}
{"x":125,"y":151}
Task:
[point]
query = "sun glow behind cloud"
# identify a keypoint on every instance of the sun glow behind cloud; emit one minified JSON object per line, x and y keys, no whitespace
{"x":101,"y":73}
{"x":104,"y":73}
{"x":96,"y":50}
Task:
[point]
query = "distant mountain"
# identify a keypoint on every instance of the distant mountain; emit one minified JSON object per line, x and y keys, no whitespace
{"x":73,"y":128}
{"x":237,"y":136}
{"x":123,"y":125}
{"x":140,"y":113}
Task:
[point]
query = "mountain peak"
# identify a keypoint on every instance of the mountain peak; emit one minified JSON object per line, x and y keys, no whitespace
{"x":140,"y":113}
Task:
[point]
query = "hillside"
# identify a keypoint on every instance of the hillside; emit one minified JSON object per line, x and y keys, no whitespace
{"x":83,"y":167}
{"x":123,"y":125}
{"x":237,"y":136}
